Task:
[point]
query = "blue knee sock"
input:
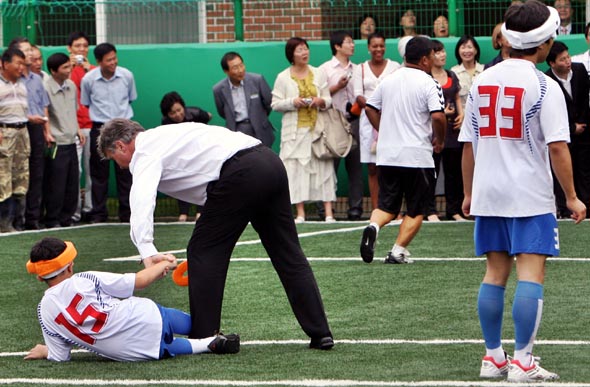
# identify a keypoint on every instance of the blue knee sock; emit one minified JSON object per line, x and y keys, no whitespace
{"x":526,"y":313}
{"x":490,"y":308}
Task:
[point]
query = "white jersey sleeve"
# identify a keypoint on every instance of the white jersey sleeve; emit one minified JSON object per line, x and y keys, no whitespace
{"x":375,"y":98}
{"x":466,"y":132}
{"x":436,"y":99}
{"x":58,"y":349}
{"x":553,"y":114}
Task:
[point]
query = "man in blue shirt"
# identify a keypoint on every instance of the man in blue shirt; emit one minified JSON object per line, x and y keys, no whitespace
{"x":108,"y":91}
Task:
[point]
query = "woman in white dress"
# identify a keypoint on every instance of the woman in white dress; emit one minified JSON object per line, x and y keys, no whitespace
{"x":365,"y":79}
{"x":299,"y":92}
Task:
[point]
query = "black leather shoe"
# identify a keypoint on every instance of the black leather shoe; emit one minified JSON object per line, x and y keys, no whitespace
{"x":323,"y":343}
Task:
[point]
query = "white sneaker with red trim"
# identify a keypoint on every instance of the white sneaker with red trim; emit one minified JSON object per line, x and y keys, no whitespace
{"x":491,"y":370}
{"x":535,"y":373}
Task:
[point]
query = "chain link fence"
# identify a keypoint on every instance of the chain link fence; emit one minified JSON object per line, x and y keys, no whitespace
{"x":181,"y":21}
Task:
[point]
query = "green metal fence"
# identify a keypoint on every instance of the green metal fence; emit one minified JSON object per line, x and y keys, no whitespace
{"x":182,"y":21}
{"x":49,"y":23}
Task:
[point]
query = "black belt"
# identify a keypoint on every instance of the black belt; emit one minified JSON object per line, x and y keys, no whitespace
{"x":97,"y":125}
{"x":16,"y":125}
{"x":239,"y":154}
{"x":246,"y":121}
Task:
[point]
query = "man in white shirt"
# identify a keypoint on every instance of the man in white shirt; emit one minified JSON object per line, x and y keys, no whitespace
{"x":408,"y":110}
{"x":584,"y":57}
{"x":236,"y":180}
{"x":339,"y":71}
{"x":515,"y":122}
{"x":97,"y":311}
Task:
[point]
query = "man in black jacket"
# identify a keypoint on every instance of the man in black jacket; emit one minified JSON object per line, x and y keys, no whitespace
{"x":575,"y":84}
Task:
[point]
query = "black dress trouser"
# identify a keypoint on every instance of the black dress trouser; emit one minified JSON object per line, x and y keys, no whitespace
{"x":99,"y":173}
{"x":63,"y":186}
{"x":252,"y":187}
{"x":34,"y":196}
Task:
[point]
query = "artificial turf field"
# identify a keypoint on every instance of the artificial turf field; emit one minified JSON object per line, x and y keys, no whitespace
{"x":394,"y":325}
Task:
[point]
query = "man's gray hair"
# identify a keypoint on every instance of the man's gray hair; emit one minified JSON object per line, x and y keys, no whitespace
{"x":119,"y":129}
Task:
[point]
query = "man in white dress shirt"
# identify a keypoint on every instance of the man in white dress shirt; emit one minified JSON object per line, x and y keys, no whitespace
{"x":237,"y":181}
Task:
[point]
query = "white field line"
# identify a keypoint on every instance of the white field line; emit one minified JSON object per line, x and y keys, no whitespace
{"x":354,"y":259}
{"x":251,"y":242}
{"x":302,"y":382}
{"x":362,"y":223}
{"x":325,"y":232}
{"x":374,"y":342}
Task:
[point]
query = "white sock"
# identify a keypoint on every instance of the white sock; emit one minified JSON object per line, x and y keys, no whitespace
{"x":397,"y":250}
{"x":201,"y":345}
{"x":375,"y":225}
{"x":524,"y":357}
{"x":497,"y":354}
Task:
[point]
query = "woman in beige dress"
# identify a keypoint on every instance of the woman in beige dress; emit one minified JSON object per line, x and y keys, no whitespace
{"x":468,"y":67}
{"x":299,"y":92}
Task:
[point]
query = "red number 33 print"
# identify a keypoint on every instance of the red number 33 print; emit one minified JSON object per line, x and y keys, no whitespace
{"x":99,"y":317}
{"x":513,"y":113}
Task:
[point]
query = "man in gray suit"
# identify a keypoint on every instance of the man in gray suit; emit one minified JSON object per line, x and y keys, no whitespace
{"x":243,"y":100}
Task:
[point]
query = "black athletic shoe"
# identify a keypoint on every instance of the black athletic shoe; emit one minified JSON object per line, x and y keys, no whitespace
{"x":323,"y":343}
{"x":368,"y":243}
{"x":223,"y":344}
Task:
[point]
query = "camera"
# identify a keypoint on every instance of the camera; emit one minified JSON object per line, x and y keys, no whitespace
{"x":307,"y":101}
{"x":79,"y":59}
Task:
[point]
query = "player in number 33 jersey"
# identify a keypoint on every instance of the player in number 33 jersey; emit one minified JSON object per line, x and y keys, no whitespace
{"x":513,"y":112}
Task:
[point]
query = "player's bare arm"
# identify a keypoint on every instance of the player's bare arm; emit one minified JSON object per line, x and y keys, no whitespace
{"x":439,"y":125}
{"x":374,"y":116}
{"x":147,"y":276}
{"x":562,"y":167}
{"x":467,"y":166}
{"x":37,"y":353}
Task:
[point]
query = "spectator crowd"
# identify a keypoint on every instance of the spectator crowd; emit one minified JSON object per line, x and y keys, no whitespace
{"x":51,"y":174}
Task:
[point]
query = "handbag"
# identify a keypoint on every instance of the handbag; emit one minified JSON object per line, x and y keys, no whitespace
{"x":332,"y":137}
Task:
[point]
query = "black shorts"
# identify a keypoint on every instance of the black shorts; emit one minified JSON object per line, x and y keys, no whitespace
{"x":395,"y":183}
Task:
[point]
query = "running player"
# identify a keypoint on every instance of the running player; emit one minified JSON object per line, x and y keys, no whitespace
{"x":97,"y":311}
{"x":515,"y":122}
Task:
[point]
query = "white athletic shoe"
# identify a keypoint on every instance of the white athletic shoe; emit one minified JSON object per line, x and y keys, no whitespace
{"x":492,"y":370}
{"x":535,"y":373}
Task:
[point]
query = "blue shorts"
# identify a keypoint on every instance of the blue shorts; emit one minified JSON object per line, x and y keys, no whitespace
{"x":167,"y":333}
{"x":532,"y":235}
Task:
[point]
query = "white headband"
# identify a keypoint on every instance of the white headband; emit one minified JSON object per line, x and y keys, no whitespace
{"x":51,"y":275}
{"x":536,"y":37}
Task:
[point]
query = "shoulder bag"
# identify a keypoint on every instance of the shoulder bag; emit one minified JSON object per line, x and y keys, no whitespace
{"x":332,"y":137}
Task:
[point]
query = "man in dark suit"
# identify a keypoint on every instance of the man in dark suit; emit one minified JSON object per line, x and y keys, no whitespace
{"x":575,"y":85}
{"x":243,"y":100}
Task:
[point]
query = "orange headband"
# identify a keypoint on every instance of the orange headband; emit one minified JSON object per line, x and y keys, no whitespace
{"x":52,"y":267}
